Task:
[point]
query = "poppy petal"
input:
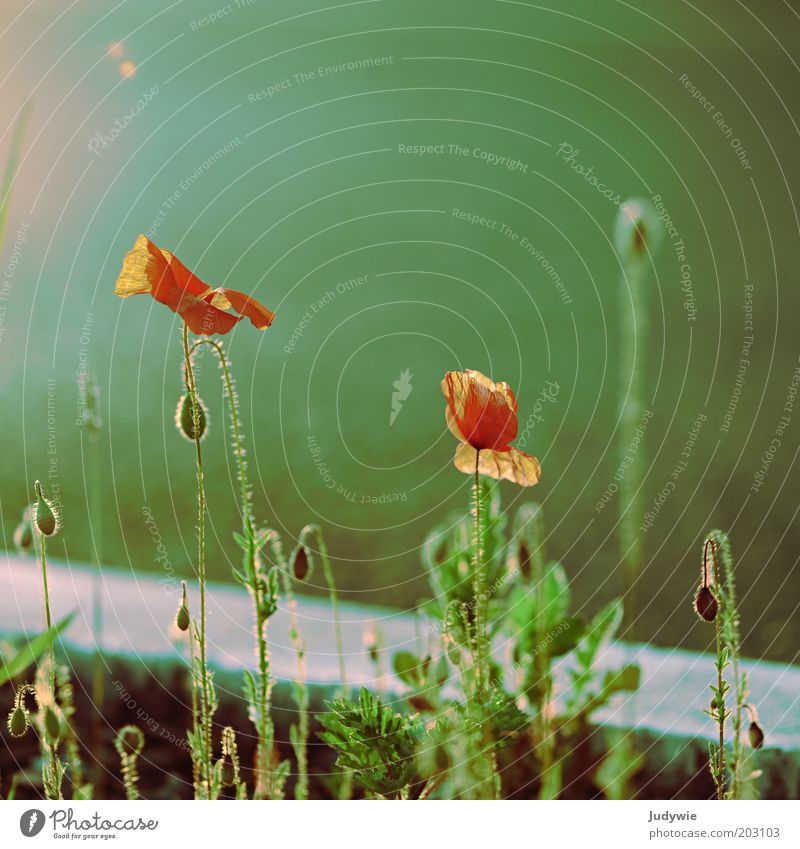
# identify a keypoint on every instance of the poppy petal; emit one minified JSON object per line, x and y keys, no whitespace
{"x":485,"y":412}
{"x":259,"y":315}
{"x":188,"y":282}
{"x":135,"y":277}
{"x":511,"y":465}
{"x":452,"y":424}
{"x":204,"y":319}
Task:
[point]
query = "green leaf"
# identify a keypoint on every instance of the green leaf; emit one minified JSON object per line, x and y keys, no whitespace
{"x":408,"y":668}
{"x":31,"y":651}
{"x":599,"y":632}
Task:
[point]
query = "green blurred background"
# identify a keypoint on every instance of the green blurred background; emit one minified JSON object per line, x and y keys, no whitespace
{"x":288,"y":194}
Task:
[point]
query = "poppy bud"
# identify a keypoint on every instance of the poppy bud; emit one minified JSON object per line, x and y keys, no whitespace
{"x":23,"y":535}
{"x":184,"y":418}
{"x":17,"y":721}
{"x":182,"y":619}
{"x":44,"y":515}
{"x":756,"y":735}
{"x":705,"y":603}
{"x":637,"y":228}
{"x":52,"y":725}
{"x":301,"y":565}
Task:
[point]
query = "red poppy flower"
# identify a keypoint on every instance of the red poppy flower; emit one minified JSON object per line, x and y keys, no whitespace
{"x":150,"y":270}
{"x":482,"y":415}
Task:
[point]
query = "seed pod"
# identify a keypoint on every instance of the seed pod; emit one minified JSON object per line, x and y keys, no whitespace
{"x":756,"y":735}
{"x":182,"y":619}
{"x":17,"y":721}
{"x":184,"y":419}
{"x":44,"y":515}
{"x":301,"y":565}
{"x":52,"y":725}
{"x":23,"y":535}
{"x":705,"y":603}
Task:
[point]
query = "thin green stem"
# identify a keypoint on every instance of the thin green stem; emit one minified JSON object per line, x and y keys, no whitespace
{"x":633,"y":332}
{"x":52,"y":745}
{"x":201,"y":566}
{"x":322,"y":550}
{"x":720,"y":697}
{"x":98,"y":678}
{"x":47,"y":617}
{"x":479,"y":580}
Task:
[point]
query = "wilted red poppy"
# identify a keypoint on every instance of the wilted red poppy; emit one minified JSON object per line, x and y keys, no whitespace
{"x":482,"y":415}
{"x":150,"y":270}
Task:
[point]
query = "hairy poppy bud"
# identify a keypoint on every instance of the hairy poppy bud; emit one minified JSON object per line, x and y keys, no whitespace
{"x":756,"y":735}
{"x":705,"y":603}
{"x":227,"y":771}
{"x":23,"y":535}
{"x":17,"y":721}
{"x":301,"y":565}
{"x":44,"y":514}
{"x":52,"y":725}
{"x":637,"y":229}
{"x":182,"y":619}
{"x":184,"y":418}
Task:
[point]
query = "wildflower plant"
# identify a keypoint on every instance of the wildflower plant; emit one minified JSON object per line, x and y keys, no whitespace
{"x":715,"y":601}
{"x":374,"y":742}
{"x":148,"y":269}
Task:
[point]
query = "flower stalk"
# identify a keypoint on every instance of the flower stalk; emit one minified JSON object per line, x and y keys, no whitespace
{"x":203,"y":723}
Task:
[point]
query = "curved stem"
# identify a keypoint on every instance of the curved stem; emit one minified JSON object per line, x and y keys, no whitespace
{"x":201,"y":564}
